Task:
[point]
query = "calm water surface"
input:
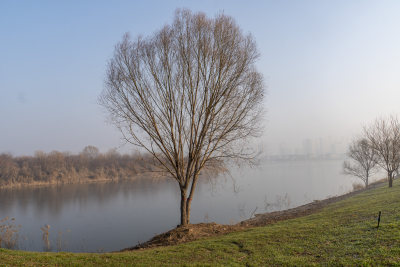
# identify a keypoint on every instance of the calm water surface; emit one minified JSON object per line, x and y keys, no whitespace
{"x":112,"y":216}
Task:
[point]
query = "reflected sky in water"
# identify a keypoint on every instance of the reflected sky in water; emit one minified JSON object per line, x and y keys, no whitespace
{"x":112,"y":216}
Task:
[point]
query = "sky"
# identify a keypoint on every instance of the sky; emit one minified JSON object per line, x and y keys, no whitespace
{"x":330,"y":67}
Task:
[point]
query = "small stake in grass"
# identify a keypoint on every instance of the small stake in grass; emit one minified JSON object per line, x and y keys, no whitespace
{"x":379,"y":219}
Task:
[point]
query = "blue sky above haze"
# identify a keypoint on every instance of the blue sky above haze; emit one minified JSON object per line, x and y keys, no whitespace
{"x":329,"y":66}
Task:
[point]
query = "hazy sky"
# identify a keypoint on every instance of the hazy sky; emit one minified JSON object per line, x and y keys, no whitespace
{"x":329,"y":66}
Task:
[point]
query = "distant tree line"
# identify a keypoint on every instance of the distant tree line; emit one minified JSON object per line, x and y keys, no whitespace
{"x":60,"y":167}
{"x":378,"y":147}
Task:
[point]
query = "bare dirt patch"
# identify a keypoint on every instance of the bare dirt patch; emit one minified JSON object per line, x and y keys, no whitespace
{"x":183,"y":234}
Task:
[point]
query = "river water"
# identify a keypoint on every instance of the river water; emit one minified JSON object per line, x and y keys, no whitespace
{"x":112,"y":216}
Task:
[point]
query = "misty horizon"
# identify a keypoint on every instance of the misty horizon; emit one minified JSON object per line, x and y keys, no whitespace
{"x":329,"y":69}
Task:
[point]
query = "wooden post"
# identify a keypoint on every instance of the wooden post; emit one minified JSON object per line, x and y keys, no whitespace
{"x":379,"y":219}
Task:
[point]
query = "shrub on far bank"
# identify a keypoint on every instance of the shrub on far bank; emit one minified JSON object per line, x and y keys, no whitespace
{"x":57,"y":167}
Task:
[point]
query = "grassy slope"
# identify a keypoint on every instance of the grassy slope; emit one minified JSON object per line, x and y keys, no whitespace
{"x":343,"y":233}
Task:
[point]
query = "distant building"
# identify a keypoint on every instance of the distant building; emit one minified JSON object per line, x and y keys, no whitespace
{"x":307,"y":147}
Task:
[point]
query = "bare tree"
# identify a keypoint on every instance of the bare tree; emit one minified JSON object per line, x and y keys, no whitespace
{"x":363,"y":160}
{"x":90,"y":152}
{"x":190,"y":95}
{"x":384,"y":138}
{"x":67,"y":168}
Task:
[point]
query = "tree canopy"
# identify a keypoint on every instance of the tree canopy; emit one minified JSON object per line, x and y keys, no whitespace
{"x":190,"y":95}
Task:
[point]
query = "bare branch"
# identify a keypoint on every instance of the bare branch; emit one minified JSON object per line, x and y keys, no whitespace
{"x":384,"y":138}
{"x":189,"y":94}
{"x":363,"y":160}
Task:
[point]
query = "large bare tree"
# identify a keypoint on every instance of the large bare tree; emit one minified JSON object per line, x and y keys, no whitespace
{"x":189,"y":94}
{"x":363,"y":160}
{"x":384,"y":138}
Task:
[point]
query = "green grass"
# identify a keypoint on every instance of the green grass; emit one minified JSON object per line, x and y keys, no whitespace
{"x":343,"y":233}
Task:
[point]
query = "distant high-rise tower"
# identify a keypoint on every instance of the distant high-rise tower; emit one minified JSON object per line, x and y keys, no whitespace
{"x":307,"y":147}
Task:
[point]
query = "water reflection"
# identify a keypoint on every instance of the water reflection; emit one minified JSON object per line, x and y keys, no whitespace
{"x":79,"y":214}
{"x":112,"y":216}
{"x":52,"y":199}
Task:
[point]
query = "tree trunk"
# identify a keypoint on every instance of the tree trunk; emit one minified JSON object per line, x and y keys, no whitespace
{"x":184,"y":218}
{"x":390,"y":180}
{"x":190,"y":198}
{"x":188,"y":203}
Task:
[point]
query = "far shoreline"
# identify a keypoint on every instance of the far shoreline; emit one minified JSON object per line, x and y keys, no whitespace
{"x":17,"y":186}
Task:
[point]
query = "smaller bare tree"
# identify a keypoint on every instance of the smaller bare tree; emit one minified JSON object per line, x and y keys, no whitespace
{"x":362,"y":161}
{"x":384,"y":137}
{"x":90,"y":152}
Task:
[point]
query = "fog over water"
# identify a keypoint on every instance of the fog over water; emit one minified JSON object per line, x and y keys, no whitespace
{"x":329,"y":68}
{"x":113,"y":216}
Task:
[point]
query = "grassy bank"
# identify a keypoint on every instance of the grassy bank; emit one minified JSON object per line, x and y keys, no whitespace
{"x":343,"y":233}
